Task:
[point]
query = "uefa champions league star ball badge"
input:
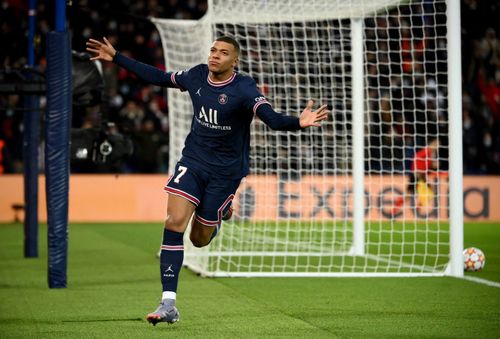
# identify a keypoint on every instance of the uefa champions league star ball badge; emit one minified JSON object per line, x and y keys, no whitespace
{"x":222,"y":99}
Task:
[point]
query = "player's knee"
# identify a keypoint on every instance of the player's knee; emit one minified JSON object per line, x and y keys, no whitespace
{"x":174,"y":223}
{"x":198,"y":240}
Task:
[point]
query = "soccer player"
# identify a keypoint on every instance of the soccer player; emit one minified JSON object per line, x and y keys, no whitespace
{"x":215,"y":157}
{"x":424,"y":161}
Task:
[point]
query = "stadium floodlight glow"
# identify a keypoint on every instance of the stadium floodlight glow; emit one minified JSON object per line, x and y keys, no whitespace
{"x":322,"y":202}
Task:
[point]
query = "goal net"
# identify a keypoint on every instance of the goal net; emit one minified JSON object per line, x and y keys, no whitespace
{"x":332,"y":200}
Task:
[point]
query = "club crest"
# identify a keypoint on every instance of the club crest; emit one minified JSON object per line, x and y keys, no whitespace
{"x":222,"y":99}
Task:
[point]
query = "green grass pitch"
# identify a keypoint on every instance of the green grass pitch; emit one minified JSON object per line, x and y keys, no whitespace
{"x":113,"y":282}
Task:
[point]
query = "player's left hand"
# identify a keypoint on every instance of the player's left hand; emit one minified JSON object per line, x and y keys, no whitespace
{"x":309,"y":118}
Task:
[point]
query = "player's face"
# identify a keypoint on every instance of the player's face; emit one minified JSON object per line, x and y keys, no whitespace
{"x":222,"y":58}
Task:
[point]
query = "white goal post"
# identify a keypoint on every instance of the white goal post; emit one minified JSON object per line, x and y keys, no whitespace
{"x":333,"y":201}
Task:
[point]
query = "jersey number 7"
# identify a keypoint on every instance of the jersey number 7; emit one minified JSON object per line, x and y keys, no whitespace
{"x":182,"y":171}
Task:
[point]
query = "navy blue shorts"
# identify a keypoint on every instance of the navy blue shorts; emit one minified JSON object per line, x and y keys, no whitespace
{"x":211,"y":195}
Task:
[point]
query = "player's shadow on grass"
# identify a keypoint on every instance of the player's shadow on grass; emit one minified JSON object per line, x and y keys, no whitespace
{"x":86,"y":283}
{"x":102,"y":320}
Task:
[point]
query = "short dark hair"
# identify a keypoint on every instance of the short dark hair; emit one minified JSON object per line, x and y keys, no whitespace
{"x":231,"y":41}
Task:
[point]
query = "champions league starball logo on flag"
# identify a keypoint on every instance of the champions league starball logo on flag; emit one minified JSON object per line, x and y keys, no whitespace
{"x":222,"y":99}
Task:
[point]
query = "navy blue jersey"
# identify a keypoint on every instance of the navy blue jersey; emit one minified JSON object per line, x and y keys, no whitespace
{"x":219,"y":139}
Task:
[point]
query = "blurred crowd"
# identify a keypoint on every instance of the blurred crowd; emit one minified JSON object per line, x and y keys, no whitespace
{"x":407,"y":85}
{"x":141,"y":110}
{"x":137,"y":110}
{"x":407,"y":96}
{"x":481,"y":86}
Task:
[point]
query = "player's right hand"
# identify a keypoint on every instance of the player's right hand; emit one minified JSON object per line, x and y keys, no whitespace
{"x":102,"y":50}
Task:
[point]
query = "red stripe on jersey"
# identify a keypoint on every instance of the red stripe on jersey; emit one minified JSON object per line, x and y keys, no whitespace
{"x":182,"y":194}
{"x":227,"y":202}
{"x":172,"y":77}
{"x":207,"y":222}
{"x":258,"y":103}
{"x":221,"y":83}
{"x":219,"y":212}
{"x":172,"y":247}
{"x":174,"y":82}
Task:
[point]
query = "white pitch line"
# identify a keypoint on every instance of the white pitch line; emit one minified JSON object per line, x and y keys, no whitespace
{"x":482,"y":281}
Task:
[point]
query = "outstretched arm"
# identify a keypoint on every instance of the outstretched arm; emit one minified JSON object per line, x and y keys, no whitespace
{"x":282,"y":122}
{"x":105,"y":51}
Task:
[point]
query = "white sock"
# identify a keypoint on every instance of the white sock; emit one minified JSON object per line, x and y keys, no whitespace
{"x":168,"y":295}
